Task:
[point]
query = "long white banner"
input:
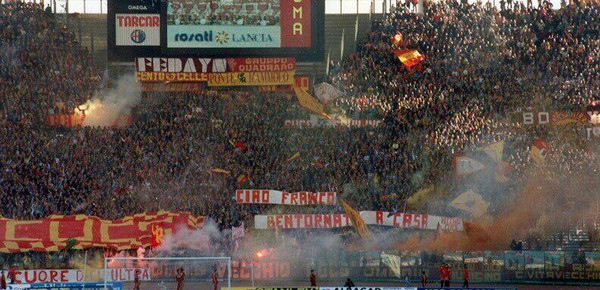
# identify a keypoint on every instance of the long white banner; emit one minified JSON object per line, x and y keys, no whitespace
{"x":78,"y":275}
{"x":267,"y":196}
{"x":379,"y":218}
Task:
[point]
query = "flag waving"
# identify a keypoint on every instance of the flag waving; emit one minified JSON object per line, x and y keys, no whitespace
{"x":296,"y":156}
{"x":307,"y":101}
{"x":393,"y":262}
{"x":357,"y":221}
{"x":409,"y":57}
{"x":539,"y":150}
{"x":472,"y":203}
{"x":326,"y":92}
{"x":464,"y":165}
{"x":494,"y":150}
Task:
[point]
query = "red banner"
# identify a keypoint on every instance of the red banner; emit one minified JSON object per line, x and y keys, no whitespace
{"x":74,"y":120}
{"x":261,"y":64}
{"x":52,"y":233}
{"x":64,"y":120}
{"x":171,"y":87}
{"x":296,"y":23}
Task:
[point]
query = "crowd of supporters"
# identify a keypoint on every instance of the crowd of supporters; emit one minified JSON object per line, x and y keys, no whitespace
{"x":482,"y":64}
{"x":204,"y":12}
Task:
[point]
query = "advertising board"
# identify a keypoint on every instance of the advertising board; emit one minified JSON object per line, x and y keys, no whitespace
{"x":272,"y":28}
{"x":133,"y":29}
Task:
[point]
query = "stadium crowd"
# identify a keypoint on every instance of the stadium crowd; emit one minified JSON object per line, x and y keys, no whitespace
{"x":204,"y":12}
{"x":481,"y":65}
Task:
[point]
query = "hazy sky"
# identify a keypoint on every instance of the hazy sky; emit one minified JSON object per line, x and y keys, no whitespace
{"x":331,"y":6}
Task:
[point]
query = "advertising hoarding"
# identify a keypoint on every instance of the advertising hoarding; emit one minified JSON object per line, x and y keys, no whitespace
{"x":252,"y":28}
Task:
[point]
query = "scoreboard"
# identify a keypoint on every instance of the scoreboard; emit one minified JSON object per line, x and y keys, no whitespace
{"x":216,"y":28}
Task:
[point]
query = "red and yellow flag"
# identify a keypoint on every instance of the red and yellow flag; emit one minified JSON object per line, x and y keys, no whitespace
{"x":539,"y":150}
{"x":54,"y":232}
{"x":410,"y":57}
{"x":357,"y":221}
{"x":296,"y":156}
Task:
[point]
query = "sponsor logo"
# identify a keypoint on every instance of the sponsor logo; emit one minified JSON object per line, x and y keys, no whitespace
{"x":130,"y":20}
{"x":207,"y":36}
{"x":137,"y":7}
{"x":138,"y":36}
{"x":222,"y":37}
{"x":252,"y":37}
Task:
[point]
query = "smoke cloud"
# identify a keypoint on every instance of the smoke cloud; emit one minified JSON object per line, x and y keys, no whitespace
{"x":110,"y":109}
{"x":197,"y":239}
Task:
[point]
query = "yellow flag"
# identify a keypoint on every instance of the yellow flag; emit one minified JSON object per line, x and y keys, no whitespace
{"x":357,"y":221}
{"x":222,"y":171}
{"x":472,"y":203}
{"x":421,"y":197}
{"x":494,"y":150}
{"x":307,"y":101}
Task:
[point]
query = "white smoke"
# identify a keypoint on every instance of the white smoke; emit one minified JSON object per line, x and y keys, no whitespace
{"x":197,"y":239}
{"x":110,"y":109}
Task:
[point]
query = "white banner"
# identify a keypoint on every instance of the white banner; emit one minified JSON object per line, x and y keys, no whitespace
{"x":221,"y":36}
{"x":378,"y":218}
{"x":77,"y":275}
{"x":137,"y":29}
{"x":301,"y":221}
{"x":267,"y":196}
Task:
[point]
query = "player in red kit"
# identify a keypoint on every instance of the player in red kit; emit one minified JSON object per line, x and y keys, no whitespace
{"x":136,"y":280}
{"x":423,"y":279}
{"x":3,"y":281}
{"x":313,"y":278}
{"x":466,"y":277}
{"x":180,"y":278}
{"x":442,"y":277}
{"x":12,"y":274}
{"x":215,"y":279}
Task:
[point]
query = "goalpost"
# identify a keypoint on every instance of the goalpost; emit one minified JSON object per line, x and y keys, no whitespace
{"x":163,"y":273}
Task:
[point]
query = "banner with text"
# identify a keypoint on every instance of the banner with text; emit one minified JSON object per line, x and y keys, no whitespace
{"x":557,"y":117}
{"x":267,"y":196}
{"x":316,"y":122}
{"x":188,"y":69}
{"x":78,"y":275}
{"x":236,"y":79}
{"x":376,"y":218}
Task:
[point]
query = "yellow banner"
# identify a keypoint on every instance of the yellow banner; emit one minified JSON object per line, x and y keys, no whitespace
{"x":251,"y":79}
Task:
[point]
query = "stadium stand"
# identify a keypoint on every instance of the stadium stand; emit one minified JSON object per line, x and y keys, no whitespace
{"x":481,"y":65}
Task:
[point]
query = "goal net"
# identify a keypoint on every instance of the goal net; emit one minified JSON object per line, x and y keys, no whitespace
{"x":168,"y":272}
